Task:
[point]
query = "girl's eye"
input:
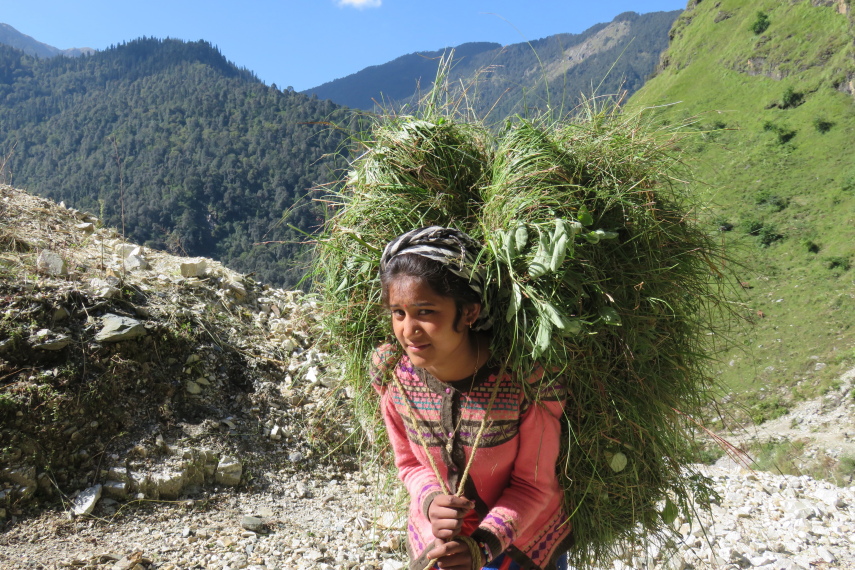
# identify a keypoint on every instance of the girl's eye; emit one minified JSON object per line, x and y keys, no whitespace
{"x":425,"y":312}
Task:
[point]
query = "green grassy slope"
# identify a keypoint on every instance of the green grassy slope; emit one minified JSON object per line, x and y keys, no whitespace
{"x":769,"y":120}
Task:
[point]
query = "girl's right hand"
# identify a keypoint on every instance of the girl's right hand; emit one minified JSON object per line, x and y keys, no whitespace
{"x":446,"y":514}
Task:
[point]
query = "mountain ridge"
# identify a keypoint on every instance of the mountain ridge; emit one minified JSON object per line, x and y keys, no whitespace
{"x":31,"y":46}
{"x":616,"y":56}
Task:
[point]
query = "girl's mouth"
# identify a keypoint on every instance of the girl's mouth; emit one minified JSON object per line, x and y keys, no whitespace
{"x":418,"y":347}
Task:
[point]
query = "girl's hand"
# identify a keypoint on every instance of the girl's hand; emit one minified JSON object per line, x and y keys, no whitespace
{"x":451,"y":555}
{"x":446,"y":514}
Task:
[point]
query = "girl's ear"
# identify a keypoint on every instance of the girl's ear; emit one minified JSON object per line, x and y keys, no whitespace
{"x":471,"y":313}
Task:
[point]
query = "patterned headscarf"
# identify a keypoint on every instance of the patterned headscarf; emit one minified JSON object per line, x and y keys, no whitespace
{"x":455,"y":250}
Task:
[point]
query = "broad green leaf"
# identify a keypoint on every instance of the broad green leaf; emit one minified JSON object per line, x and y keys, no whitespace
{"x":609,"y":315}
{"x":618,"y":462}
{"x":558,"y":253}
{"x":559,"y":231}
{"x":514,"y":303}
{"x":521,"y":236}
{"x":571,"y":326}
{"x":670,"y":512}
{"x":592,"y":237}
{"x":584,"y":216}
{"x":544,"y":336}
{"x":540,"y":263}
{"x":554,"y":314}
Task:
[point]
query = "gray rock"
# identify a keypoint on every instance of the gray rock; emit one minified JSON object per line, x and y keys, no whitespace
{"x":118,"y":328}
{"x":103,"y":288}
{"x":229,"y":471}
{"x":124,"y":249}
{"x":84,"y":503}
{"x":115,"y":489}
{"x":51,"y":263}
{"x":254,"y":524}
{"x":48,"y":340}
{"x":168,"y":483}
{"x":192,"y":387}
{"x":295,"y":457}
{"x":133,"y":262}
{"x":194,"y":268}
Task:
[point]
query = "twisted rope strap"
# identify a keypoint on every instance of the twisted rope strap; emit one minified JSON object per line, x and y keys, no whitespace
{"x":474,"y":549}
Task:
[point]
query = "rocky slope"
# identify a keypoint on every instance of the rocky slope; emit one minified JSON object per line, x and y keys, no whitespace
{"x":211,"y":432}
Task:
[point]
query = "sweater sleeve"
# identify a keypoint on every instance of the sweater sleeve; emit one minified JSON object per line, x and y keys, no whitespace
{"x":418,"y":478}
{"x":533,"y":487}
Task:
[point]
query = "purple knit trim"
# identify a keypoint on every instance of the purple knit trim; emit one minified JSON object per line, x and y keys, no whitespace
{"x":504,"y":527}
{"x":415,"y":538}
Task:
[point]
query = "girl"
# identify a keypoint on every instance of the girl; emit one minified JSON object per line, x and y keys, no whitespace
{"x":440,"y":393}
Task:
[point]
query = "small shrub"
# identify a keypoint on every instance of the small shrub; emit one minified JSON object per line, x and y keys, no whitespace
{"x":768,"y":235}
{"x":791,"y":98}
{"x":722,"y":224}
{"x":846,"y":469}
{"x":773,"y":201}
{"x":838,"y":262}
{"x":784,"y":135}
{"x":761,"y":24}
{"x":811,"y":246}
{"x":768,"y":409}
{"x":822,"y":125}
{"x":753,"y":227}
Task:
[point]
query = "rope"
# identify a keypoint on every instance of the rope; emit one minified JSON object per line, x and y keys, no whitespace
{"x":473,"y":546}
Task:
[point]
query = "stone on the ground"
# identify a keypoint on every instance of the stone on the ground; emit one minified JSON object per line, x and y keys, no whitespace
{"x":255,"y":524}
{"x":116,"y":328}
{"x":51,"y":263}
{"x":123,"y":250}
{"x":103,"y":288}
{"x":46,"y":339}
{"x":229,"y":471}
{"x":194,"y":268}
{"x":84,"y":503}
{"x":168,"y":484}
{"x":133,"y":262}
{"x":115,"y":489}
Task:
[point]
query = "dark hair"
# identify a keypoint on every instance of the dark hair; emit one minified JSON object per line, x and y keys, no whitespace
{"x":435,"y":275}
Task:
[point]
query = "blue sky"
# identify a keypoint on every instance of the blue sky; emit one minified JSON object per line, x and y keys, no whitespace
{"x":303,"y":43}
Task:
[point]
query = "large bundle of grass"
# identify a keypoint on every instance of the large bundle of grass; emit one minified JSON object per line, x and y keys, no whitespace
{"x":600,"y":273}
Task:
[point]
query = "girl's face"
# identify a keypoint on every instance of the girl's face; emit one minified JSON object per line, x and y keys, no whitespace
{"x":423,"y":323}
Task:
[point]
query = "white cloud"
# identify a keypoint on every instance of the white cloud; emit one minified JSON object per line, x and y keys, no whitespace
{"x":360,"y":4}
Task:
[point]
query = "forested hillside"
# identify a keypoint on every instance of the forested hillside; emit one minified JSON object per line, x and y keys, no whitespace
{"x":763,"y":96}
{"x":524,"y":77}
{"x":176,"y":145}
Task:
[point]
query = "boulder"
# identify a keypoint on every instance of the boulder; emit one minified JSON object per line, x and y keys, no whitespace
{"x":85,"y":502}
{"x":51,"y":263}
{"x":194,"y":268}
{"x":116,"y":328}
{"x":229,"y":471}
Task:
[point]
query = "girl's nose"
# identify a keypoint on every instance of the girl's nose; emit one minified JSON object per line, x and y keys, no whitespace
{"x":411,"y":326}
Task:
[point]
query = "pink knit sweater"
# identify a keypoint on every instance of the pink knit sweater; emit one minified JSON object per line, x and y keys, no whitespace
{"x":518,"y":502}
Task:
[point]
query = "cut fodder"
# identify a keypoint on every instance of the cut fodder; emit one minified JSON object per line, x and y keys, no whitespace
{"x":598,"y":271}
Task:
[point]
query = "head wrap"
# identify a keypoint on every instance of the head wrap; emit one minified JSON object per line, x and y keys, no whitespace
{"x":455,"y":250}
